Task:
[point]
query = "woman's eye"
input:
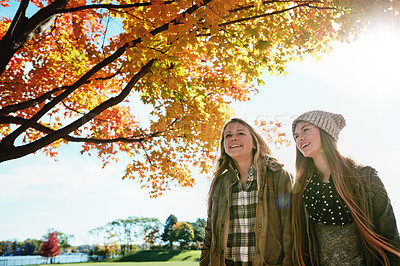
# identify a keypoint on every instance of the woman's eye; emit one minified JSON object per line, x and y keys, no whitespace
{"x":228,"y":136}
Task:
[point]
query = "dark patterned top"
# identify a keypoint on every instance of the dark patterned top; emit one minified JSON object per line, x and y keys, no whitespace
{"x":242,"y":216}
{"x":339,"y":245}
{"x":323,"y":203}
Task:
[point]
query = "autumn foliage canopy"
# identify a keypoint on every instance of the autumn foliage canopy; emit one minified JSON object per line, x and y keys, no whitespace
{"x":51,"y":247}
{"x":151,"y":79}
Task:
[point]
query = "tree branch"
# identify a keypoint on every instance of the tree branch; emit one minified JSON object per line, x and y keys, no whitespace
{"x":147,"y":155}
{"x":46,"y":96}
{"x":263,"y":15}
{"x":47,"y":130}
{"x":23,"y":29}
{"x":304,"y":4}
{"x":269,"y":2}
{"x":20,"y":15}
{"x":109,"y":6}
{"x":30,"y":103}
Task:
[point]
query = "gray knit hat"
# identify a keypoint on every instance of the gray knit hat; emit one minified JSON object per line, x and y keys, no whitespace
{"x":329,"y":122}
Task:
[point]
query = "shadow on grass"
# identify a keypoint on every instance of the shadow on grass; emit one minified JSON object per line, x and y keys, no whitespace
{"x":151,"y":255}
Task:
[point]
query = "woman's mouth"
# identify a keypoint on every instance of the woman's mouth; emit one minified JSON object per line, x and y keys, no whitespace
{"x":305,"y":145}
{"x":234,"y":146}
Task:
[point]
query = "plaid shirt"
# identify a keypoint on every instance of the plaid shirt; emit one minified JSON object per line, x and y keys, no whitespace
{"x":242,"y":216}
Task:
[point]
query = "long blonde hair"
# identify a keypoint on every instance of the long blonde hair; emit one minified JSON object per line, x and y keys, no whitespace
{"x":344,"y":173}
{"x":224,"y":160}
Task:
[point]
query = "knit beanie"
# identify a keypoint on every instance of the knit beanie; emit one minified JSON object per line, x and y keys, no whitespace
{"x":329,"y":122}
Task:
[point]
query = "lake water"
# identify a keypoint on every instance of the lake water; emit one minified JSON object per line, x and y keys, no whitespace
{"x":29,"y":260}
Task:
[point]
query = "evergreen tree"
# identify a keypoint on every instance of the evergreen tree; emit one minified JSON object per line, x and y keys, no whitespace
{"x":167,"y":236}
{"x":30,"y":246}
{"x":199,"y":231}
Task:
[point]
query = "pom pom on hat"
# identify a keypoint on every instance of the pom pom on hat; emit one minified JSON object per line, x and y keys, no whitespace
{"x":329,"y":122}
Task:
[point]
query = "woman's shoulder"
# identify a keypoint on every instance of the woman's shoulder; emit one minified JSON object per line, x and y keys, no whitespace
{"x":225,"y":176}
{"x":367,"y":172}
{"x":370,"y":177}
{"x":221,"y":183}
{"x":272,"y":163}
{"x":277,"y":168}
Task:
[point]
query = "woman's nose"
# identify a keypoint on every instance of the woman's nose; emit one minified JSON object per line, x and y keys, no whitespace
{"x":299,"y":137}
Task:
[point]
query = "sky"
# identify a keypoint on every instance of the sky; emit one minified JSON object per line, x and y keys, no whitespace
{"x":74,"y":194}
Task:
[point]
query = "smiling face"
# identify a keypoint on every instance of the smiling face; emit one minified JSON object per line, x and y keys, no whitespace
{"x":238,"y":142}
{"x":308,"y":139}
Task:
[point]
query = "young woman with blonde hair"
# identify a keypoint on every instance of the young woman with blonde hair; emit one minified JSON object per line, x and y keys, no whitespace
{"x":249,"y":206}
{"x":341,"y":212}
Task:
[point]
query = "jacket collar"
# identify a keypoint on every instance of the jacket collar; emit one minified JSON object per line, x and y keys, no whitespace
{"x":272,"y":164}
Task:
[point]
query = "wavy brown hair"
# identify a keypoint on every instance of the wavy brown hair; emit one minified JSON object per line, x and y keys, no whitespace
{"x":346,"y":178}
{"x":224,"y":160}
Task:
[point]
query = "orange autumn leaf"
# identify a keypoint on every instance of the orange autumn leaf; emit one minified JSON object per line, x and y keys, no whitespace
{"x":272,"y":133}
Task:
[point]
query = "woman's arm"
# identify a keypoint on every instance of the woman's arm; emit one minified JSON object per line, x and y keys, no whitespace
{"x":205,"y":249}
{"x":285,"y":199}
{"x":383,"y":217}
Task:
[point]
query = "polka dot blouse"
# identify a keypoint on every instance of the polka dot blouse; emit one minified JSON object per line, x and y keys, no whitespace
{"x":323,"y":203}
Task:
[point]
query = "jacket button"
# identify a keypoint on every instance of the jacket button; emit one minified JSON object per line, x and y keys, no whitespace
{"x":258,"y":251}
{"x":259,"y":225}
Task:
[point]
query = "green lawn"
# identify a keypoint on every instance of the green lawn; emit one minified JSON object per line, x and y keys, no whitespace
{"x":151,"y":258}
{"x":165,"y":263}
{"x":160,"y":255}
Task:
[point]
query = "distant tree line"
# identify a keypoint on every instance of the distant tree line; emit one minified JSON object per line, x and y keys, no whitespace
{"x":27,"y":247}
{"x":125,"y":235}
{"x":121,"y":236}
{"x":33,"y":246}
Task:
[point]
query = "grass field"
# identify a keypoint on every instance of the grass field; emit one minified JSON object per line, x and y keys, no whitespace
{"x":151,"y":258}
{"x":160,"y":255}
{"x":164,"y":263}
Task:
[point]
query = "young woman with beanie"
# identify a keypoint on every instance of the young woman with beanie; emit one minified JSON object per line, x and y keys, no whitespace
{"x":249,"y":206}
{"x":341,"y":212}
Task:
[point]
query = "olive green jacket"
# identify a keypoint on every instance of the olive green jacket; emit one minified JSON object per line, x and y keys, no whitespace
{"x":273,"y":217}
{"x":379,"y":213}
